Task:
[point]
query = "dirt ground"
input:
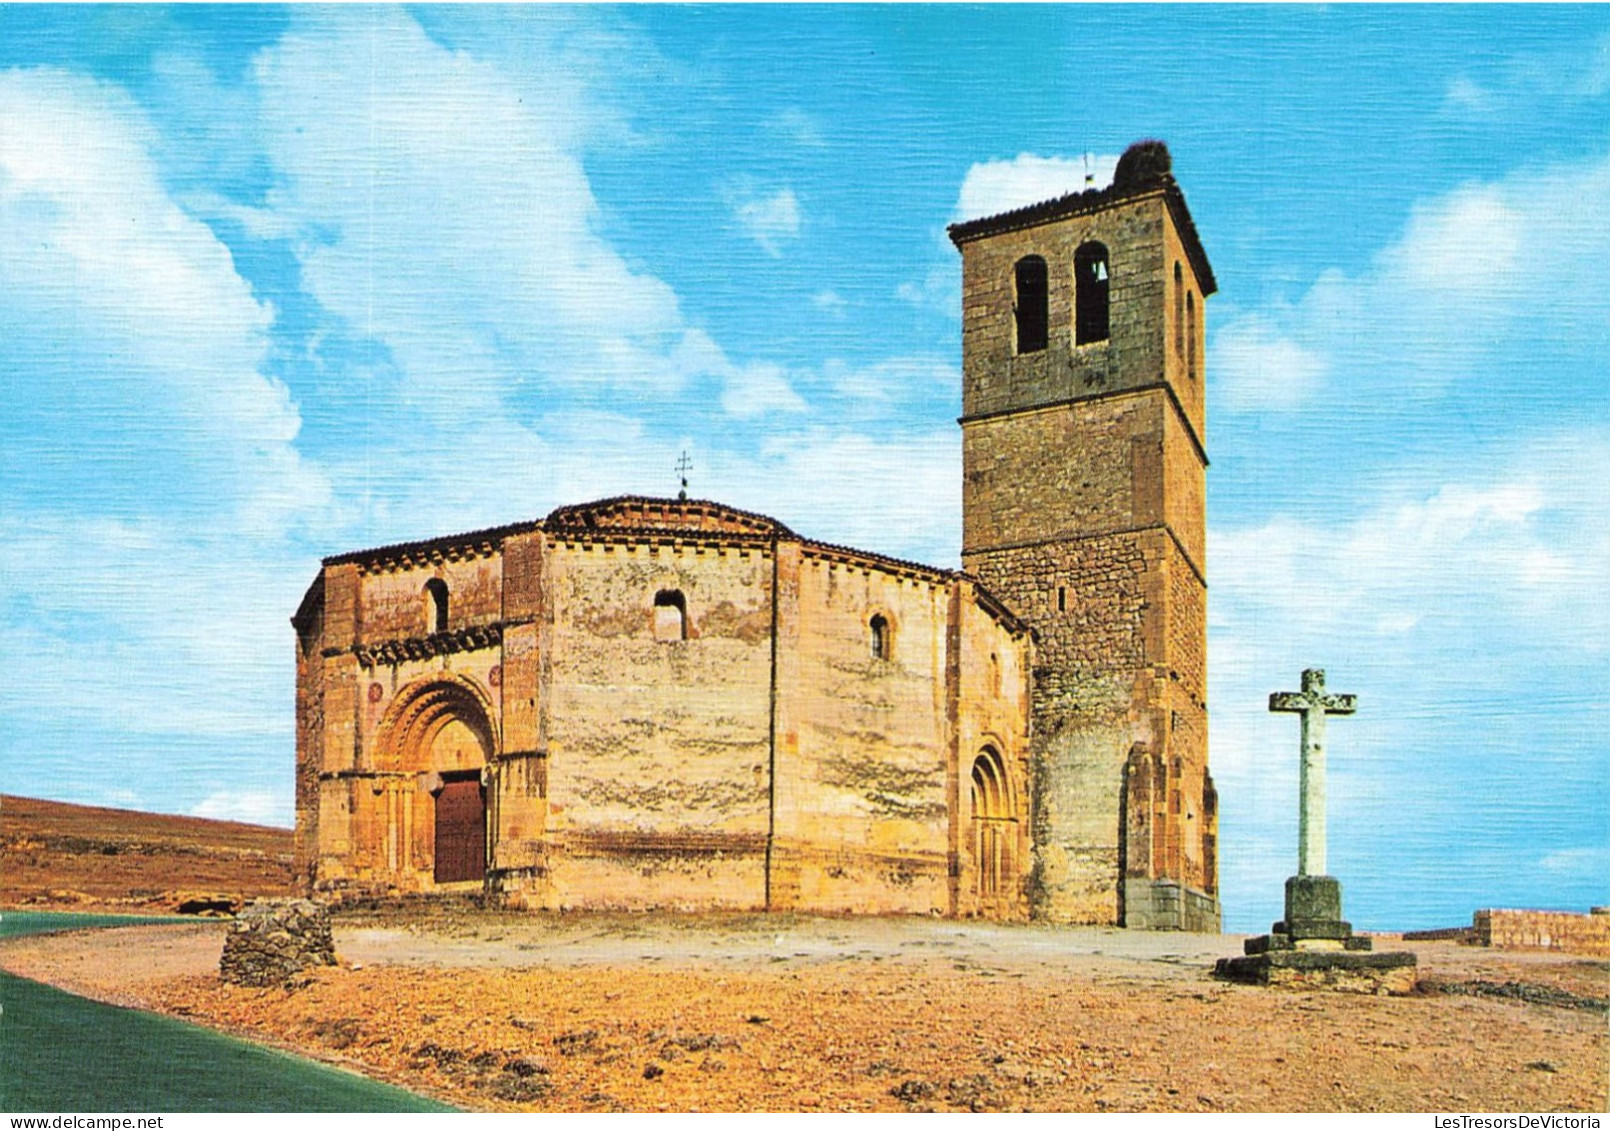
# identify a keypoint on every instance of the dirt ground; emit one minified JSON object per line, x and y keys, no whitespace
{"x":750,"y":1013}
{"x":56,"y":856}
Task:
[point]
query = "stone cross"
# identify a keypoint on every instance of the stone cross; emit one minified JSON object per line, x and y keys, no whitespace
{"x":1313,"y":705}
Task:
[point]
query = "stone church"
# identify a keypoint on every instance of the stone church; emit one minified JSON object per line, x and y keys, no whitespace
{"x":671,"y":703}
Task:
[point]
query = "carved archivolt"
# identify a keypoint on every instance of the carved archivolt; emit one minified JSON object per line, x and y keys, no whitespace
{"x":423,"y":708}
{"x":994,"y":793}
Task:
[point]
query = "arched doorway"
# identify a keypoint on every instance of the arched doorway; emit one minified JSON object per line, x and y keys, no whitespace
{"x":994,"y":829}
{"x":434,"y":747}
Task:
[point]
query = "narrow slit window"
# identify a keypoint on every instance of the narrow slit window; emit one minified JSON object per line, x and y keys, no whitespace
{"x":1091,"y":293}
{"x":882,"y":638}
{"x":1032,"y":309}
{"x":1190,"y":335}
{"x":1062,"y":599}
{"x":436,"y":605}
{"x":1179,"y":311}
{"x":670,"y":616}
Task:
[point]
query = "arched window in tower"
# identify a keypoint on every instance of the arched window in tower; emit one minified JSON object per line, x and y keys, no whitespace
{"x":1179,"y":311}
{"x":1190,"y":335}
{"x":436,"y":605}
{"x":882,"y":637}
{"x":1032,"y":306}
{"x":670,"y":616}
{"x":1090,"y":293}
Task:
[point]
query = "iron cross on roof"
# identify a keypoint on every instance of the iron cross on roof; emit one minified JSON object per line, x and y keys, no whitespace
{"x":1313,"y":705}
{"x":683,"y":466}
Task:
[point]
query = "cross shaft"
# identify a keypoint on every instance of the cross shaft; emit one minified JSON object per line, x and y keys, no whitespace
{"x":1313,"y":705}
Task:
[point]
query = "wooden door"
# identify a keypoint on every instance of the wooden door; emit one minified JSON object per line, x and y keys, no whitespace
{"x":460,"y":831}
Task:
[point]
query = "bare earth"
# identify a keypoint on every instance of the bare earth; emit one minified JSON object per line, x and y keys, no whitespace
{"x":750,"y":1013}
{"x":56,"y":856}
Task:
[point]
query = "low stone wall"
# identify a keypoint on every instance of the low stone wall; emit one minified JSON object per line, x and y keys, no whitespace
{"x":1442,"y":934}
{"x":1568,"y":931}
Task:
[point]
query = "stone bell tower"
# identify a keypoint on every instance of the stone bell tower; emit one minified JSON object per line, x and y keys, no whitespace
{"x":1083,"y":508}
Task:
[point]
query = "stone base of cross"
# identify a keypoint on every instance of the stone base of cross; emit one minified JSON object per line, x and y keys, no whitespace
{"x":1314,"y":916}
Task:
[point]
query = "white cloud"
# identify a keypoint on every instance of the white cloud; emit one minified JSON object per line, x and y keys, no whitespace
{"x":830,"y":301}
{"x":446,"y":214}
{"x":998,"y":186}
{"x":152,"y":459}
{"x":252,"y":807}
{"x":836,"y":486}
{"x":1530,"y":548}
{"x":1468,"y":617}
{"x":152,"y":462}
{"x":940,"y":289}
{"x":1256,"y":368}
{"x":1588,"y":861}
{"x":798,"y":126}
{"x":188,"y":625}
{"x":119,"y":799}
{"x":892,"y":380}
{"x":1467,"y":96}
{"x":1445,"y":593}
{"x":770,"y":221}
{"x":1520,"y":80}
{"x":758,"y":390}
{"x":1464,"y":247}
{"x":144,"y":349}
{"x":1477,"y":277}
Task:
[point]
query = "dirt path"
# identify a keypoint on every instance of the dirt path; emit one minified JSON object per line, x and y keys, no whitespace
{"x":752,"y":1013}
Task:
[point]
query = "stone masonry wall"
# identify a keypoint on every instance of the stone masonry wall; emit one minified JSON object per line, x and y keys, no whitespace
{"x":993,"y":670}
{"x":1544,"y":930}
{"x":657,"y":751}
{"x":862,"y":805}
{"x":376,"y":827}
{"x":1189,"y":387}
{"x":1062,"y":472}
{"x":395,"y":606}
{"x":519,"y":815}
{"x":393,"y":811}
{"x":309,"y":627}
{"x":1083,"y":691}
{"x":996,"y":378}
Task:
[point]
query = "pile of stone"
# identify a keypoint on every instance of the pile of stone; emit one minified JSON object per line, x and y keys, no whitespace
{"x":273,"y":940}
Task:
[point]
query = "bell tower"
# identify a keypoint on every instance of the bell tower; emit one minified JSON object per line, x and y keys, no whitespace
{"x":1083,"y":503}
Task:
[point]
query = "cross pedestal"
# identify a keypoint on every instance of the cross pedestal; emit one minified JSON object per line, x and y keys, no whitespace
{"x":1313,"y":946}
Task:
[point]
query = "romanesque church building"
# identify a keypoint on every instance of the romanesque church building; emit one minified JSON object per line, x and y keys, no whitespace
{"x":648,"y":703}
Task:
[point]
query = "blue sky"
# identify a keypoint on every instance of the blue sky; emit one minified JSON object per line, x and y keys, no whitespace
{"x":277,"y":283}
